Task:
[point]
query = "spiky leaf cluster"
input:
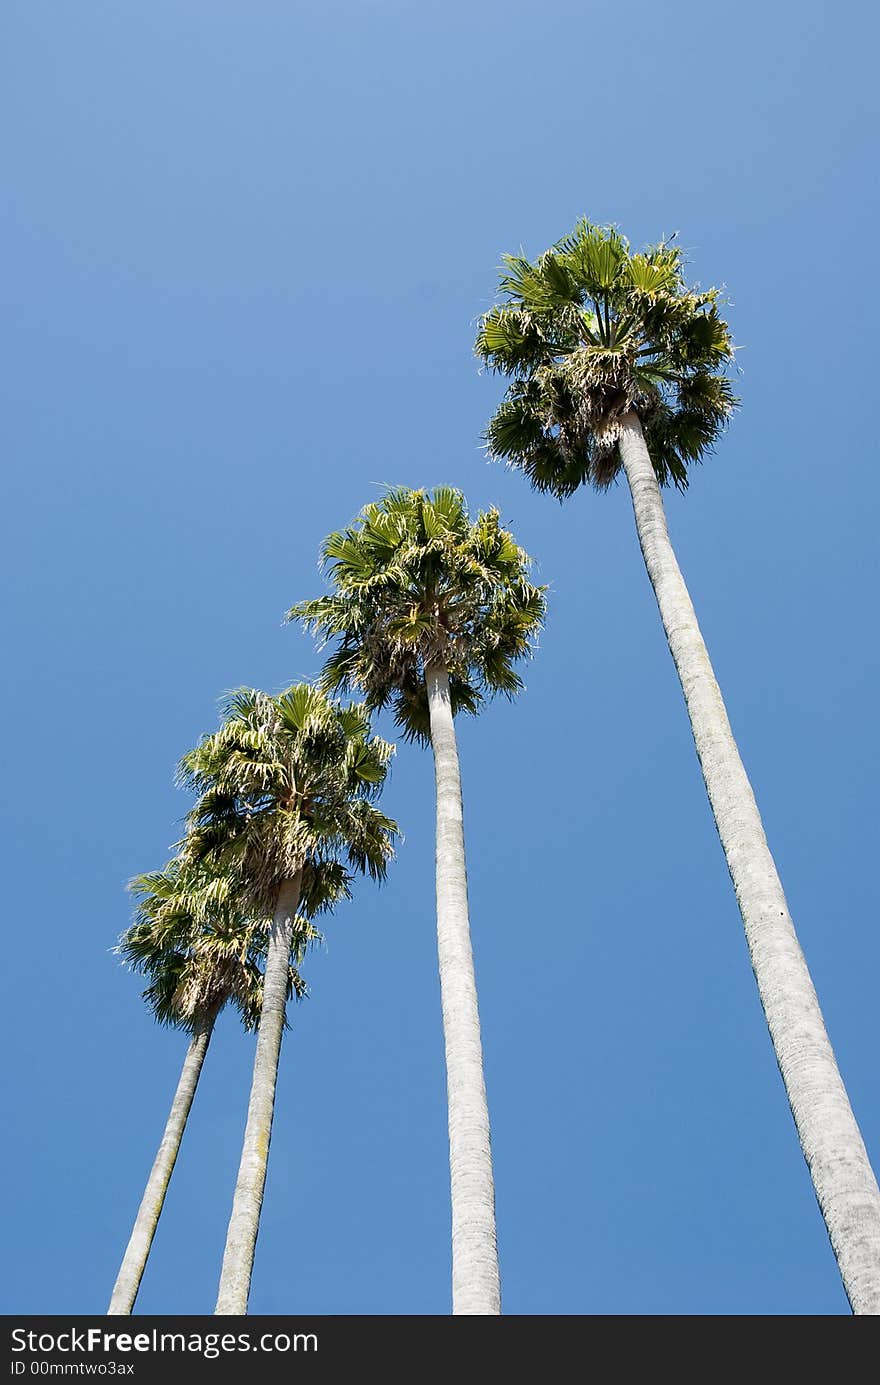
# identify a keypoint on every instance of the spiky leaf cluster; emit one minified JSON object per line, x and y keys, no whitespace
{"x":198,"y":948}
{"x":589,"y":331}
{"x":288,"y":784}
{"x":417,"y":583}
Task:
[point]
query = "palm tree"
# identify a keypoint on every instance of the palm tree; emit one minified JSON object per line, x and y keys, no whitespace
{"x":431,"y":612}
{"x":286,"y":789}
{"x":616,"y":365}
{"x":199,"y":953}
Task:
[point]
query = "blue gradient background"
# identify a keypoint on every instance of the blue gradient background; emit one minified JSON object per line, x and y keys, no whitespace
{"x":243,"y":249}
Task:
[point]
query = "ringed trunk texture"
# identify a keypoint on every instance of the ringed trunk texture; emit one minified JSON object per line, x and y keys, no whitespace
{"x":476,"y":1287}
{"x":134,"y":1261}
{"x":845,"y":1185}
{"x":244,"y":1223}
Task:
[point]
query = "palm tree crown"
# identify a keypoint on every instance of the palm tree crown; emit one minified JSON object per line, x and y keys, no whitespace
{"x":418,"y":583}
{"x":589,"y":331}
{"x":286,"y":786}
{"x":198,"y":948}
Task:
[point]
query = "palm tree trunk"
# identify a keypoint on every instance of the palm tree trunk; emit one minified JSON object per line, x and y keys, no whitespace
{"x":244,"y":1223}
{"x":830,"y":1138}
{"x":476,"y":1287}
{"x":134,"y":1261}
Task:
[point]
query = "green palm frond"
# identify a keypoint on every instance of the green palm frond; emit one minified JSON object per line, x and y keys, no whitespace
{"x":589,"y":331}
{"x":286,"y":785}
{"x":415,"y":582}
{"x":200,"y":949}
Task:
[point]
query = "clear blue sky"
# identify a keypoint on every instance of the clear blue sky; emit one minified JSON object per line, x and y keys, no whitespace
{"x":244,"y":245}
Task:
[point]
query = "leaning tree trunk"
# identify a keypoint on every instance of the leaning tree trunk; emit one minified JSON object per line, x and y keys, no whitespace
{"x":476,"y":1285}
{"x":134,"y":1261}
{"x":845,"y":1185}
{"x":244,"y":1223}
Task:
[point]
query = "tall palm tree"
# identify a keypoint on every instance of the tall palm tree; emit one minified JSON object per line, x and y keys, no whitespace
{"x":286,"y":789}
{"x":431,"y":611}
{"x":615,"y":365}
{"x":200,"y":953}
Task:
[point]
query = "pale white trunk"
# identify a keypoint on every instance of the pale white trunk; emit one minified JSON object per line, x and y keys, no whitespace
{"x":134,"y":1261}
{"x":244,"y":1223}
{"x":845,"y":1185}
{"x":476,"y":1287}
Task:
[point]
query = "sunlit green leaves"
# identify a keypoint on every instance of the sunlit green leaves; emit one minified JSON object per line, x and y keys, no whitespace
{"x":300,"y":703}
{"x":198,"y":946}
{"x":299,"y":799}
{"x":595,"y":257}
{"x":448,"y":590}
{"x":651,"y":277}
{"x":589,"y":331}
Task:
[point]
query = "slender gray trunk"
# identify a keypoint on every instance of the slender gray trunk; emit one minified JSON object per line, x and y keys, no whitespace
{"x":830,"y":1138}
{"x":244,"y":1223}
{"x":476,"y":1287}
{"x":134,"y":1261}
